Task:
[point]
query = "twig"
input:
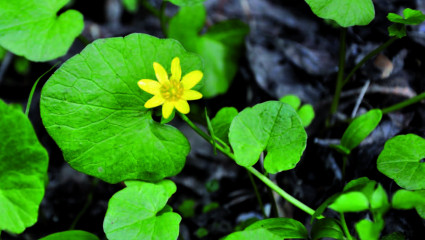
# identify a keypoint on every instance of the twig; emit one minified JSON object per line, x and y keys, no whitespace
{"x":360,"y":98}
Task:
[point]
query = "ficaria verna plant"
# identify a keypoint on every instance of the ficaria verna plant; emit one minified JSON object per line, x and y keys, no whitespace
{"x":100,"y":108}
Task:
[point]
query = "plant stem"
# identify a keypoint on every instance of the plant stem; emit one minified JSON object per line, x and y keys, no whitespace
{"x":341,"y":66}
{"x":344,"y":227}
{"x":403,"y":104}
{"x":264,"y":179}
{"x":257,"y":194}
{"x":367,"y":57}
{"x":86,"y":205}
{"x":34,"y":87}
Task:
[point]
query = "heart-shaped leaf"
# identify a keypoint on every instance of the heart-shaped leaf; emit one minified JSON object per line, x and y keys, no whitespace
{"x":220,"y":46}
{"x":71,"y":235}
{"x":401,"y":161}
{"x":94,"y":110}
{"x":346,"y":13}
{"x":404,"y":199}
{"x":34,"y":30}
{"x":369,"y":230}
{"x":23,"y":171}
{"x":411,"y":17}
{"x":273,"y":127}
{"x":134,"y":213}
{"x":326,"y":228}
{"x":350,"y":202}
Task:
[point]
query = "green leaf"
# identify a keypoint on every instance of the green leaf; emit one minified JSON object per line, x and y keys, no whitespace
{"x":34,"y":30}
{"x":22,"y":65}
{"x":187,"y":208}
{"x":273,"y":127}
{"x":258,"y":233}
{"x":184,"y":3}
{"x":350,"y":202}
{"x":323,"y":206}
{"x":23,"y":168}
{"x":369,"y":230}
{"x":306,"y":113}
{"x":221,"y":122}
{"x":360,"y":128}
{"x":292,"y":100}
{"x":282,"y":227}
{"x":326,"y":228}
{"x":220,"y":46}
{"x":131,"y":5}
{"x":401,"y":161}
{"x":71,"y":235}
{"x":411,"y":17}
{"x":133,"y":213}
{"x":210,"y":206}
{"x":346,"y":13}
{"x":93,"y":109}
{"x":201,"y":232}
{"x":404,"y":199}
{"x":397,"y":30}
{"x":379,"y":201}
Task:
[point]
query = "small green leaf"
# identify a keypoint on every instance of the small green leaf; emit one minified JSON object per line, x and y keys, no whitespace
{"x":221,"y":122}
{"x":350,"y":202}
{"x":131,"y":5}
{"x":306,"y":113}
{"x":210,"y":206}
{"x":292,"y":100}
{"x":201,"y":232}
{"x":411,"y":17}
{"x":282,"y":227}
{"x":403,"y":199}
{"x":326,"y":228}
{"x":22,"y":65}
{"x":187,"y":208}
{"x":71,"y":235}
{"x":34,"y":30}
{"x":136,"y":207}
{"x":379,"y":201}
{"x":346,"y":13}
{"x":23,"y":171}
{"x":220,"y":46}
{"x":273,"y":127}
{"x":401,"y":161}
{"x":259,"y":233}
{"x":369,"y":230}
{"x":397,"y":30}
{"x":360,"y":128}
{"x":94,"y":110}
{"x":184,"y":3}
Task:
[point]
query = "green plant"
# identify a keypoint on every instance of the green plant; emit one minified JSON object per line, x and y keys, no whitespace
{"x":100,"y":106}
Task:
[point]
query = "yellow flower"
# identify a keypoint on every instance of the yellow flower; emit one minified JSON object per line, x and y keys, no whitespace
{"x":173,"y":92}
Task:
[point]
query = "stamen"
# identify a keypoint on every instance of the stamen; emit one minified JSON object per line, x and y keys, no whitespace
{"x":172,"y":91}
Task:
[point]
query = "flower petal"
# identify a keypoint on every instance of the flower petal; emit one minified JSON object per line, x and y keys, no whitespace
{"x":149,"y":86}
{"x":191,"y":95}
{"x":191,"y":79}
{"x":167,"y":109}
{"x":160,"y":73}
{"x":182,"y":106}
{"x":155,"y":101}
{"x":176,"y":70}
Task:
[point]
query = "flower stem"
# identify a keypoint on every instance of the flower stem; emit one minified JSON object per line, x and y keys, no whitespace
{"x":344,"y":227}
{"x":367,"y":57}
{"x":226,"y":151}
{"x":403,"y":104}
{"x":341,"y":66}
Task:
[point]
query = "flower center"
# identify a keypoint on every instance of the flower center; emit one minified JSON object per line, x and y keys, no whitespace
{"x":173,"y":91}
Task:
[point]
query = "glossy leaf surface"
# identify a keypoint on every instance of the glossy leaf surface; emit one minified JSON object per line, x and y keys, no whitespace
{"x":346,"y":13}
{"x":401,"y":161}
{"x":282,"y":227}
{"x":23,"y":171}
{"x":221,"y":122}
{"x":326,"y":228}
{"x":34,"y":30}
{"x":134,"y":213}
{"x":273,"y":127}
{"x":94,"y":110}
